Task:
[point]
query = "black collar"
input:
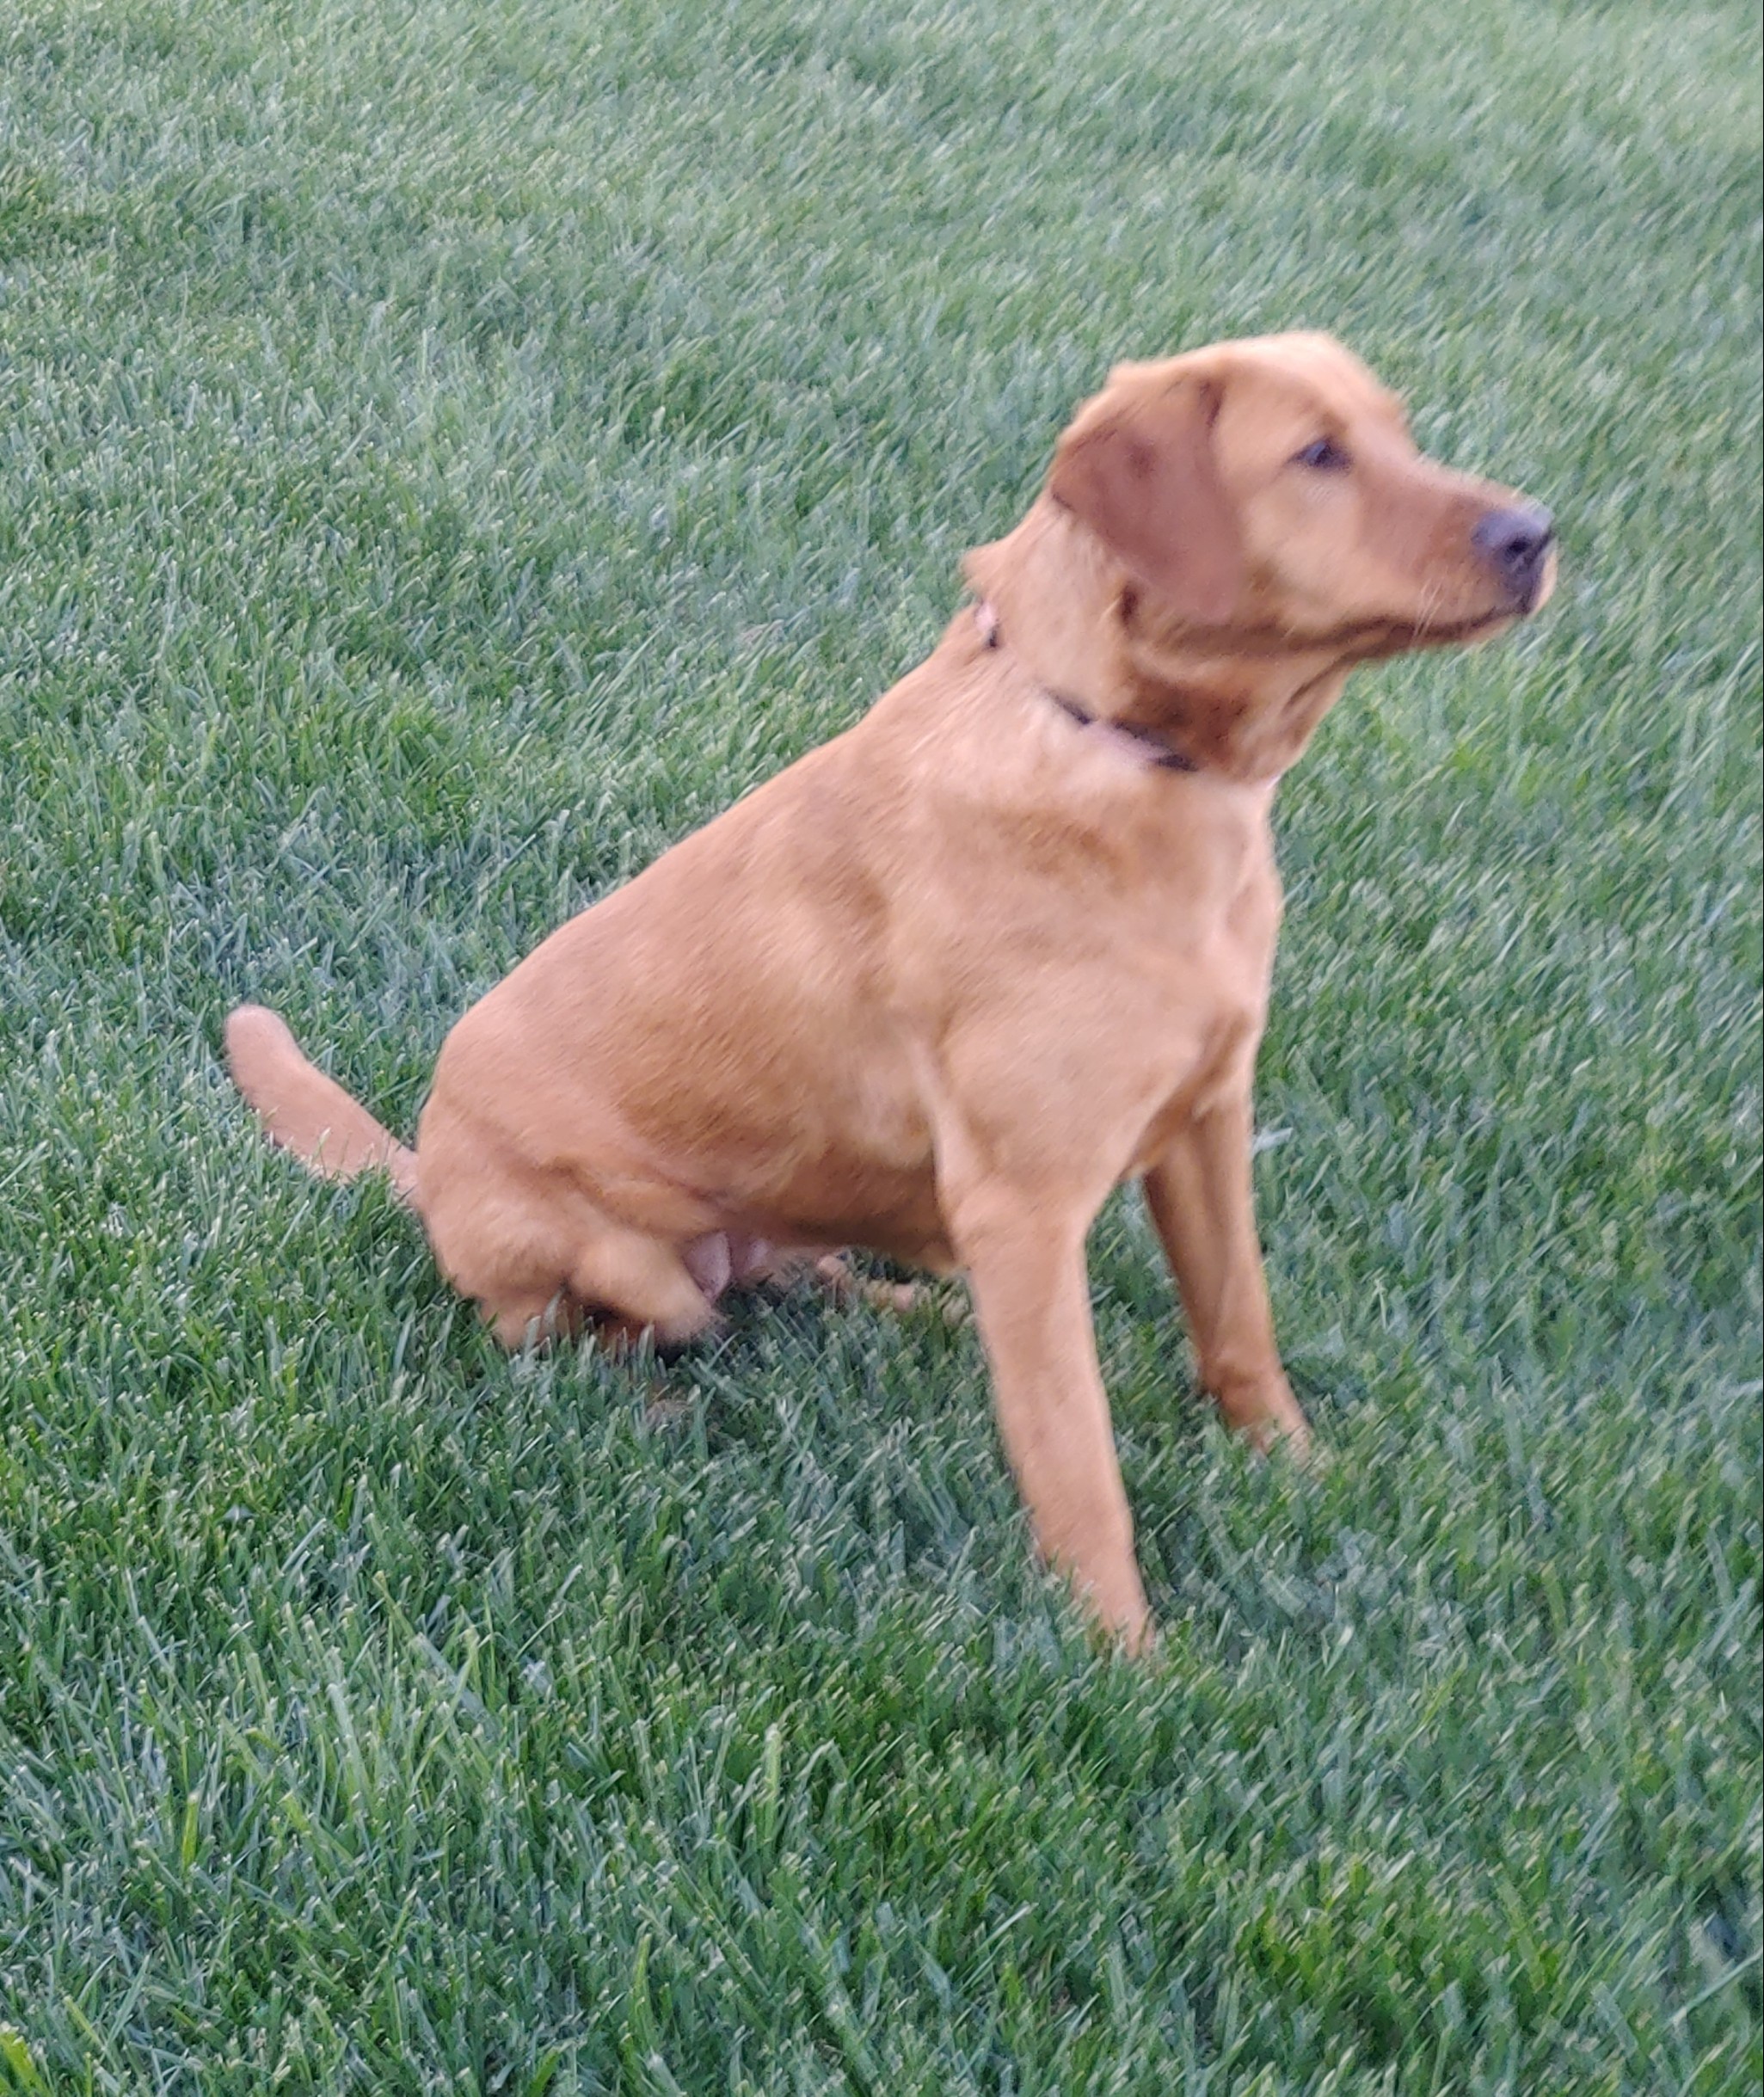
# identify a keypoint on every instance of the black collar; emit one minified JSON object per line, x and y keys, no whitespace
{"x":1159,"y":752}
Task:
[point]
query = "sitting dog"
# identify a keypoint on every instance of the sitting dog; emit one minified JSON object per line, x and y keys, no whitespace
{"x":945,"y":982}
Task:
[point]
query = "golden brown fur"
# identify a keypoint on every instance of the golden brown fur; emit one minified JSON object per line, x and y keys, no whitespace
{"x":942,"y":984}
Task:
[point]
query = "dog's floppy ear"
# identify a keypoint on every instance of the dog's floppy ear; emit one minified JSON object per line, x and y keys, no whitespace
{"x":1142,"y":475}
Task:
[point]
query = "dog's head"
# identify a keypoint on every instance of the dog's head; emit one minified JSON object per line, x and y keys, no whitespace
{"x":1268,"y":494}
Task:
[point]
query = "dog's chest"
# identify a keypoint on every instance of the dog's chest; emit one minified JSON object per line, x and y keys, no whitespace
{"x":1198,"y":1016}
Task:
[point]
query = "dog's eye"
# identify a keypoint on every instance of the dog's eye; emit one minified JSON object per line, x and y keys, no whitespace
{"x":1323,"y":456}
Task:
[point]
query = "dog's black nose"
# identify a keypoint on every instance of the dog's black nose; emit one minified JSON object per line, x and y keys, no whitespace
{"x":1516,"y":543}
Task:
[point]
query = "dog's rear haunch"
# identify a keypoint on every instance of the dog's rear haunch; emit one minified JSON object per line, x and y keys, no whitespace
{"x":945,"y":982}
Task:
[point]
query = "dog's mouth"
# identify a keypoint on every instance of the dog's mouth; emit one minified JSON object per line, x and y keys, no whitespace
{"x":1523,"y":588}
{"x":1371,"y":640}
{"x":1485,"y":627}
{"x":1368,"y":638}
{"x":1429,"y":632}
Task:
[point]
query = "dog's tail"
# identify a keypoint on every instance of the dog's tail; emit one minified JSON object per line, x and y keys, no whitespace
{"x":305,"y":1111}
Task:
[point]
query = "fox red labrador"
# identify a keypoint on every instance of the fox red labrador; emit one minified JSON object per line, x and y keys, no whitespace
{"x":950,"y":978}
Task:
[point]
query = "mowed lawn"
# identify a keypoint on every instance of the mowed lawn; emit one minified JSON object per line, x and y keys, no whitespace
{"x":447,"y":452}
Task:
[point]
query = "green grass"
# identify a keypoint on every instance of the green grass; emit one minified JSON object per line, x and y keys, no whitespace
{"x":446,"y":451}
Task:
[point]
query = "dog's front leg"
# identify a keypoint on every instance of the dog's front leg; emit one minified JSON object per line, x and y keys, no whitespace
{"x":1031,"y":1296}
{"x":1202,"y":1201}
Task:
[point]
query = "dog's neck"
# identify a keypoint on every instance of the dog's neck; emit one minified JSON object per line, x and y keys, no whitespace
{"x":1082,"y":630}
{"x":1146,"y":746}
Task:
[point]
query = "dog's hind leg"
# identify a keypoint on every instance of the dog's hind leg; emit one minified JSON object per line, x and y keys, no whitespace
{"x":833,"y":1272}
{"x":625,"y":1286}
{"x":633,"y":1286}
